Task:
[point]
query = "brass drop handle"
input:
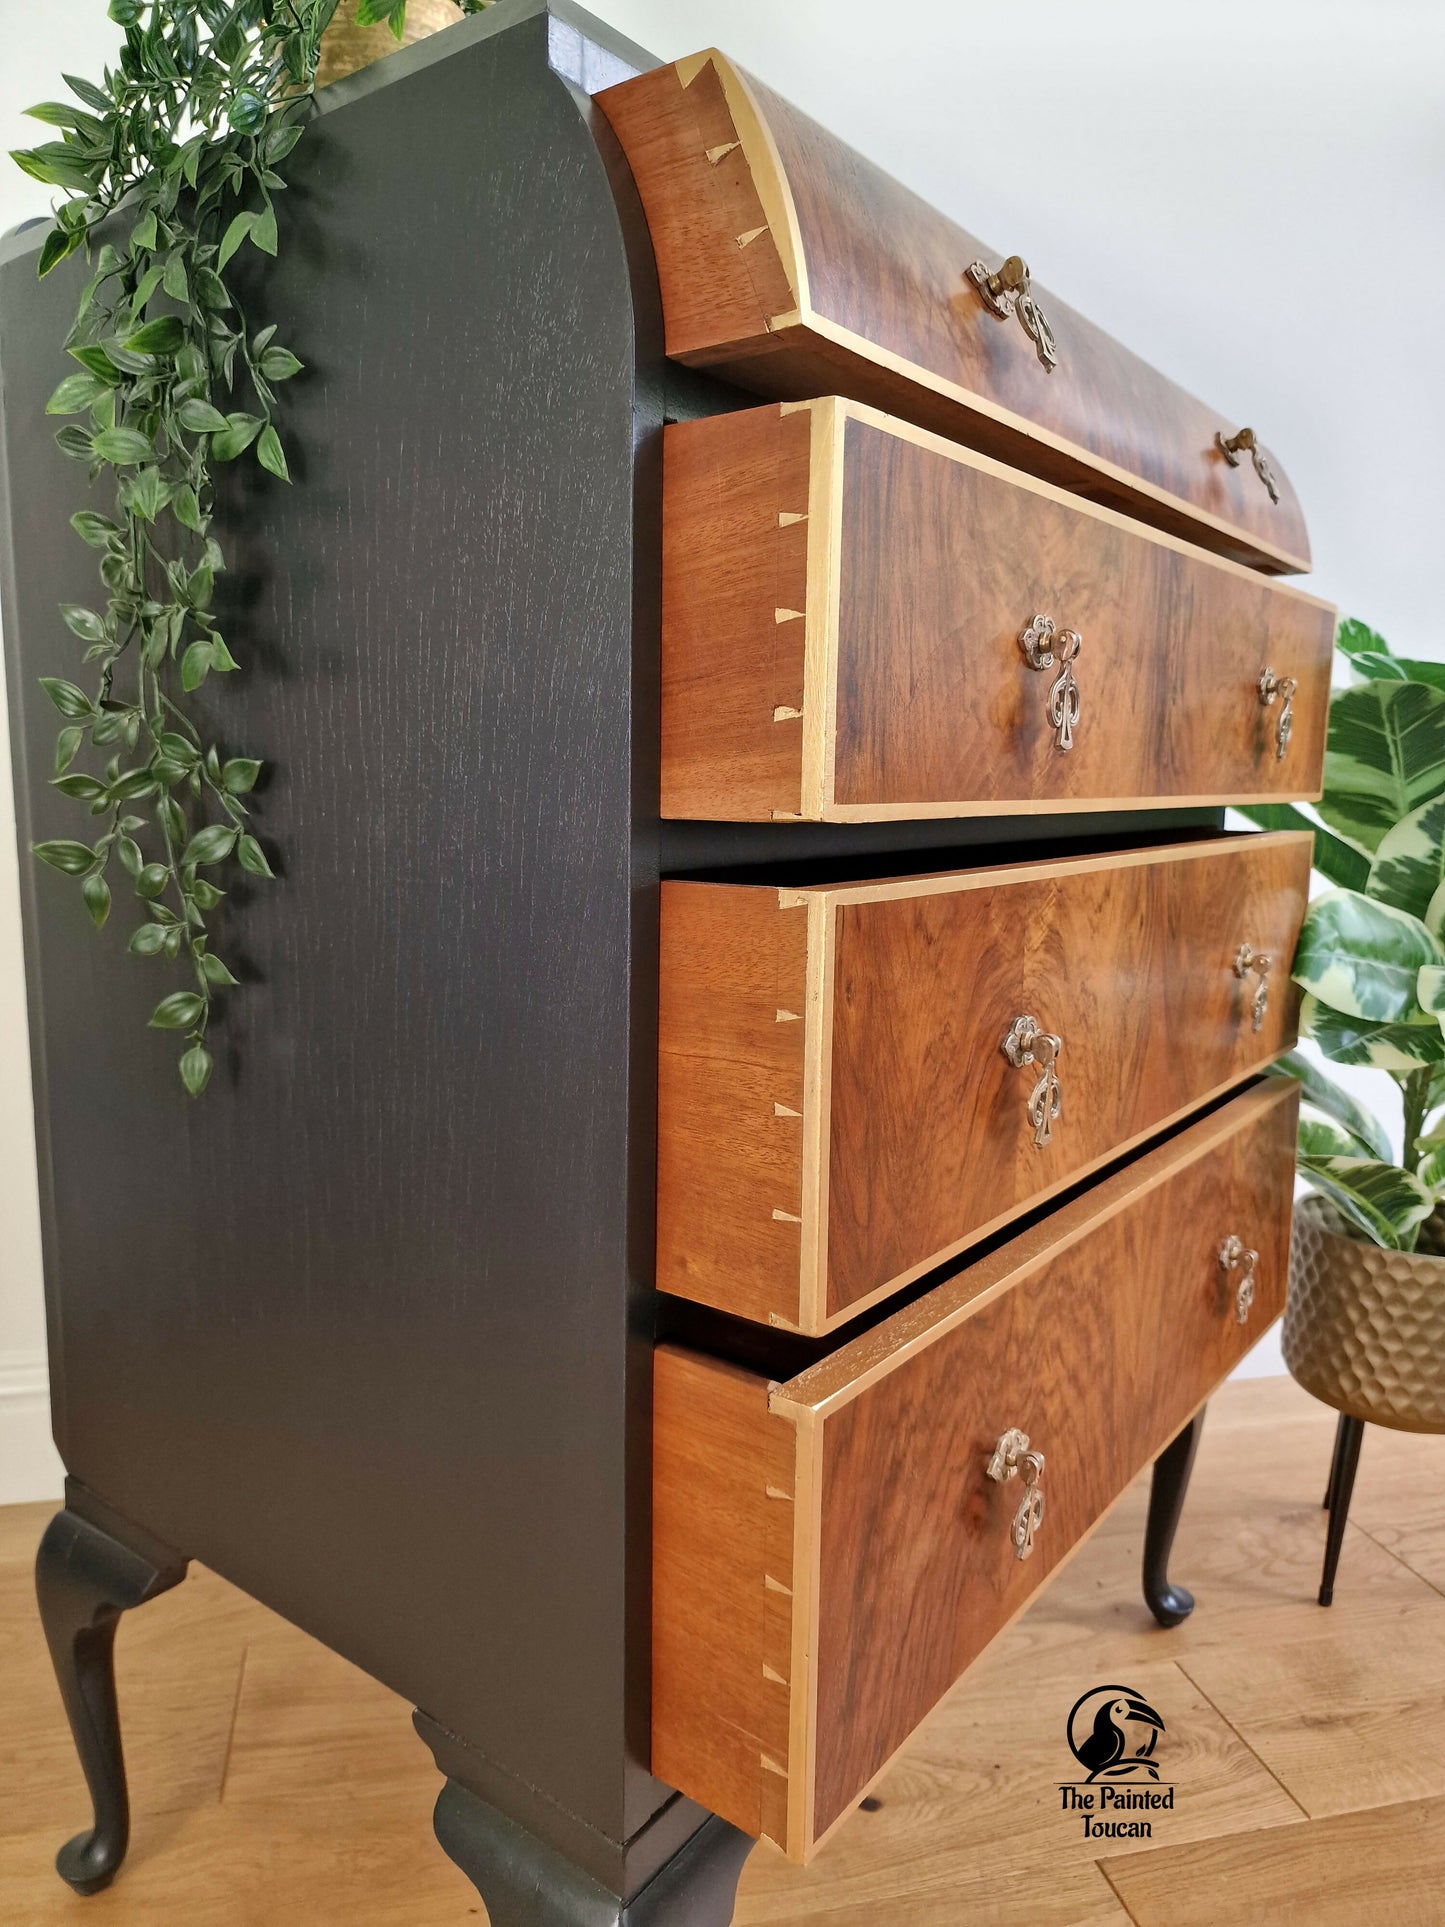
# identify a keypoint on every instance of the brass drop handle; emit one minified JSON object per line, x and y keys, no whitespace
{"x":1235,"y":1255}
{"x":1012,"y":1459}
{"x":1285,"y":688}
{"x":1028,"y":1043}
{"x":1047,"y":647}
{"x":1231,"y":447}
{"x":1005,"y":292}
{"x":1247,"y":959}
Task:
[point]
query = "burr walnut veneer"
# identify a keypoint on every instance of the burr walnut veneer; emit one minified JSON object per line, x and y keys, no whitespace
{"x":836,"y":1112}
{"x":843,"y":601}
{"x":793,"y":265}
{"x":830,"y":1552}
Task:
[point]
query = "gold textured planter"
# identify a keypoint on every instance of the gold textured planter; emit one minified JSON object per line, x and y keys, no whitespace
{"x":1364,"y":1329}
{"x":347,"y":48}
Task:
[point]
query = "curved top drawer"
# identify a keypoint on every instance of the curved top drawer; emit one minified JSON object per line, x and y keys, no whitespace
{"x":796,"y":267}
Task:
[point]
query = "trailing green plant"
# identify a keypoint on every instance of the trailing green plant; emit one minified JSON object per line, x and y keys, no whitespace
{"x":1371,"y":953}
{"x":171,"y":164}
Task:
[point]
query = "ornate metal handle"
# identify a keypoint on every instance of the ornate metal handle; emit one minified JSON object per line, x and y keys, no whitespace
{"x":1269,"y":686}
{"x":1232,"y":1254}
{"x":1028,"y":1042}
{"x":1012,"y":1459}
{"x":1006,"y":292}
{"x":1046,"y":647}
{"x":1247,"y":958}
{"x":1231,"y":447}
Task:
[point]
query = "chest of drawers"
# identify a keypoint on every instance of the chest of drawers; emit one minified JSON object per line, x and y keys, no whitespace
{"x":760,"y":1029}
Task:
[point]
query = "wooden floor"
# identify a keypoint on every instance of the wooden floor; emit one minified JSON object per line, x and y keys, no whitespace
{"x":273,"y":1784}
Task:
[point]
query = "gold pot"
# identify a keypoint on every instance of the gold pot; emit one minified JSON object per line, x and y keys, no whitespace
{"x":1364,"y":1329}
{"x":347,"y":48}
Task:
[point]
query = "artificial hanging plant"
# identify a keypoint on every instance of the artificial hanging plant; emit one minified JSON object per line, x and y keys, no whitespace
{"x":1371,"y":953}
{"x":171,"y":164}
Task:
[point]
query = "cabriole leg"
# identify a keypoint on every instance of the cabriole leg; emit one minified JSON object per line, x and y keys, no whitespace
{"x":526,"y":1883}
{"x":1169,"y":1603}
{"x":84,"y":1581}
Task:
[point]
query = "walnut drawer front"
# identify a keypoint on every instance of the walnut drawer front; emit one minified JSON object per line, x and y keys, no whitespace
{"x":837,"y":1112}
{"x":844,"y":604}
{"x":830,"y":1553}
{"x":795,"y":267}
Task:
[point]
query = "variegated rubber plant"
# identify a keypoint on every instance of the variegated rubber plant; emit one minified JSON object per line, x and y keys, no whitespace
{"x":1371,"y":954}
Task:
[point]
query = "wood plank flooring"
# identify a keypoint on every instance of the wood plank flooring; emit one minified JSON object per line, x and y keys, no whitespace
{"x":273,"y":1783}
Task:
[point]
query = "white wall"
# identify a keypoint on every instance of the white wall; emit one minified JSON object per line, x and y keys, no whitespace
{"x":1250,"y":194}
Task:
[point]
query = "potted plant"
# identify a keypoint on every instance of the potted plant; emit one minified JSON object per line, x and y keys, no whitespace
{"x":1364,"y":1326}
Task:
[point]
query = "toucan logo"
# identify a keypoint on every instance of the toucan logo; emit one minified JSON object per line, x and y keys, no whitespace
{"x":1113,"y":1733}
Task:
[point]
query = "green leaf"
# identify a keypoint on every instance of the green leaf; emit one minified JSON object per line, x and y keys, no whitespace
{"x":152,"y":880}
{"x":195,"y":666}
{"x":1387,"y":1204}
{"x":174,"y":278}
{"x":239,"y":775}
{"x":56,"y":165}
{"x":252,"y":857}
{"x":240,"y":432}
{"x":279,"y":364}
{"x":131,"y":859}
{"x":263,"y":230}
{"x":148,"y":940}
{"x":187,"y":508}
{"x":96,"y":892}
{"x":206,"y":895}
{"x":133,"y":784}
{"x":58,"y":246}
{"x":196,"y":1069}
{"x":1409,"y":865}
{"x":178,"y":1011}
{"x":1398,"y":669}
{"x":235,"y":234}
{"x":67,"y":747}
{"x":269,"y":453}
{"x":247,"y":112}
{"x":1432,"y":1168}
{"x":82,"y":622}
{"x":1363,"y":958}
{"x":211,"y":844}
{"x":1357,"y":1040}
{"x":92,"y":96}
{"x":1386,"y":756}
{"x":1331,"y":1098}
{"x":222,"y":661}
{"x":69,"y":700}
{"x":1354,"y":638}
{"x":75,"y":394}
{"x":1318,"y":1138}
{"x":160,"y":337}
{"x":74,"y":859}
{"x":1333,"y":857}
{"x":85,"y":789}
{"x":217,"y":973}
{"x":201,"y":418}
{"x":93,"y":529}
{"x":122,"y":445}
{"x":98,"y":362}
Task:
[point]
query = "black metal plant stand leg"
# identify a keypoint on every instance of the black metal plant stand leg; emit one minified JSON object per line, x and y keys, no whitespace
{"x":84,"y":1581}
{"x":1169,"y":1603}
{"x":1349,"y":1434}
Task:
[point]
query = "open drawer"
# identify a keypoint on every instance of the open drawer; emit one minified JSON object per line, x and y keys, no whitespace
{"x":796,"y":267}
{"x":862,"y":620}
{"x":831,"y":1553}
{"x":858,"y":1082}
